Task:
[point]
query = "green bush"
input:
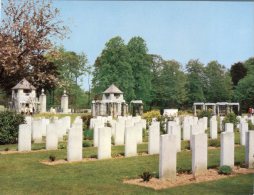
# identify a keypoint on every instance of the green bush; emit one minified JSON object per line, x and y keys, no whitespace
{"x":62,"y":146}
{"x":205,"y":113}
{"x":214,"y":143}
{"x":87,"y":144}
{"x":250,"y":125}
{"x":52,"y":158}
{"x":151,"y":114}
{"x":88,"y":134}
{"x":86,"y":120}
{"x":9,"y":127}
{"x":230,"y":118}
{"x":146,"y":176}
{"x":225,"y":170}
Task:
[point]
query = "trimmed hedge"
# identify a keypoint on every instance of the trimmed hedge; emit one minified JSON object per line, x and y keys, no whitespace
{"x":9,"y":126}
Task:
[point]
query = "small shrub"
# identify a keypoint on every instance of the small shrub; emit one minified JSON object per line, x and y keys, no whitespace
{"x":230,"y":118}
{"x":6,"y":149}
{"x":9,"y":126}
{"x":61,"y":146}
{"x":225,"y":170}
{"x":52,"y":158}
{"x":205,"y":113}
{"x":107,"y":124}
{"x":214,"y":143}
{"x":151,"y":114}
{"x":146,"y":176}
{"x":87,"y":144}
{"x":88,"y":134}
{"x":250,"y":125}
{"x":86,"y":120}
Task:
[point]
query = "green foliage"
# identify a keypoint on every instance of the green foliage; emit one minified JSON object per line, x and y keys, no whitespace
{"x":230,"y":118}
{"x":86,"y":120}
{"x":113,"y":67}
{"x":6,"y":149}
{"x":250,"y":125}
{"x":62,"y":146}
{"x":196,"y":78}
{"x":87,"y":144}
{"x":218,"y":85}
{"x":88,"y":134}
{"x":244,"y":91}
{"x":173,"y":82}
{"x":146,"y":176}
{"x":9,"y":126}
{"x":141,"y":65}
{"x":225,"y":170}
{"x":205,"y":113}
{"x":237,"y":72}
{"x":52,"y":158}
{"x":214,"y":142}
{"x":150,"y":115}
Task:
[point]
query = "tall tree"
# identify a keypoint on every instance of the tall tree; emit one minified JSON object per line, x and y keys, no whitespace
{"x":237,"y":72}
{"x":26,"y":32}
{"x":195,"y":78}
{"x":70,"y":66}
{"x":156,"y":87}
{"x":173,"y":85}
{"x":113,"y":66}
{"x":244,"y":91}
{"x":141,"y":68}
{"x":218,"y":86}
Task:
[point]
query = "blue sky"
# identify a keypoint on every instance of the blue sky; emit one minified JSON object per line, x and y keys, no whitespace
{"x":222,"y":31}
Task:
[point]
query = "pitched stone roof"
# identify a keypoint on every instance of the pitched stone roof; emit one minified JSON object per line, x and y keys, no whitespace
{"x":112,"y":89}
{"x":24,"y":84}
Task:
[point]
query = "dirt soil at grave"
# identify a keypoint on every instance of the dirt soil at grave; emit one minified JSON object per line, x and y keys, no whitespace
{"x":185,"y":179}
{"x":23,"y":152}
{"x":62,"y":161}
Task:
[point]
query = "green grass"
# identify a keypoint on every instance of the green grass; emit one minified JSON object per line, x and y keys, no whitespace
{"x":24,"y":174}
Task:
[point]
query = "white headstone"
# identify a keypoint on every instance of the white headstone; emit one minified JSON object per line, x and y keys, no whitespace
{"x":24,"y":138}
{"x":154,"y":138}
{"x":213,"y":128}
{"x":167,"y":160}
{"x":52,"y":137}
{"x":199,"y":153}
{"x":119,"y":133}
{"x":176,"y":130}
{"x":249,"y":149}
{"x":104,"y":143}
{"x":227,"y":149}
{"x":229,"y":127}
{"x":186,"y":129}
{"x":96,"y":132}
{"x":139,"y":128}
{"x":243,"y":129}
{"x":75,"y":139}
{"x":130,"y":141}
{"x":37,"y":130}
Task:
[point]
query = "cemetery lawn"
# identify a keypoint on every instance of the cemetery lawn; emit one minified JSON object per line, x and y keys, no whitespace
{"x":24,"y":174}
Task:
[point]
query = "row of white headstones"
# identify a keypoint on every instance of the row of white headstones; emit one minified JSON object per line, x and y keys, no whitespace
{"x":129,"y":131}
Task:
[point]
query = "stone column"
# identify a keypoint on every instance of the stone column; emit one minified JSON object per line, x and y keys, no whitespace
{"x":64,"y":103}
{"x":249,"y":149}
{"x":168,"y":156}
{"x":227,"y":149}
{"x":24,"y":138}
{"x":199,"y":154}
{"x":43,"y":102}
